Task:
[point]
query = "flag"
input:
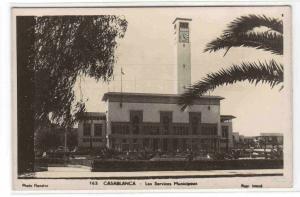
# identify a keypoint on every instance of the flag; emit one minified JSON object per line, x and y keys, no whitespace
{"x":122,"y":71}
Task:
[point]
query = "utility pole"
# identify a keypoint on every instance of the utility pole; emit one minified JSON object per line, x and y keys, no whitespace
{"x":121,"y":101}
{"x":68,"y":119}
{"x":265,"y":150}
{"x":66,"y":130}
{"x":91,"y":137}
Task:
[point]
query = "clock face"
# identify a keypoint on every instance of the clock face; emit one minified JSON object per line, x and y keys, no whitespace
{"x":184,"y":36}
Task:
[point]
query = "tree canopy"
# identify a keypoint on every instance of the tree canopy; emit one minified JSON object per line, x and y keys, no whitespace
{"x":64,"y":48}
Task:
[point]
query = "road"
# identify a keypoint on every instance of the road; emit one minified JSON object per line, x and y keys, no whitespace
{"x":82,"y":172}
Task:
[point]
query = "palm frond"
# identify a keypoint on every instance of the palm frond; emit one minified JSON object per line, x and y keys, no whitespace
{"x":239,"y":34}
{"x":269,"y":73}
{"x":266,"y":41}
{"x":247,"y":23}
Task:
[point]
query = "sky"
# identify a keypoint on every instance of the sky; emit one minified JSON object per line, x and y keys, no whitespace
{"x":147,"y":56}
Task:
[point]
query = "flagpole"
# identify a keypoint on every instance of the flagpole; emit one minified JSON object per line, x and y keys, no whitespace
{"x":134,"y":83}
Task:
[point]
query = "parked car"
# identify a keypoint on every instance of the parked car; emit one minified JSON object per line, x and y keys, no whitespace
{"x":203,"y":156}
{"x":61,"y":149}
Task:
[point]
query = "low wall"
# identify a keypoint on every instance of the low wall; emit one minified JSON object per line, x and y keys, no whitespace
{"x":43,"y":163}
{"x":127,"y":166}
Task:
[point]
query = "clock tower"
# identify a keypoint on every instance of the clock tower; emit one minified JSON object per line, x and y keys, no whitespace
{"x":183,"y":54}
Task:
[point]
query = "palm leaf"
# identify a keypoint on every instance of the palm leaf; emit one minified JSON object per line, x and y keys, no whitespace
{"x":269,"y":73}
{"x":244,"y":24}
{"x":266,"y":41}
{"x":239,"y":34}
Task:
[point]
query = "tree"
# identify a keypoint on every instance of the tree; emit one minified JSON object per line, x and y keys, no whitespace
{"x":52,"y":52}
{"x":242,"y":33}
{"x":53,"y":137}
{"x":47,"y":139}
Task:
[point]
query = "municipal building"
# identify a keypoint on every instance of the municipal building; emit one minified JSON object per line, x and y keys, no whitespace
{"x":155,"y":122}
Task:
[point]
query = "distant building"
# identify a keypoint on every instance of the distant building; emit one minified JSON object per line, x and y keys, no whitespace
{"x":264,"y":140}
{"x":270,"y":140}
{"x":241,"y":138}
{"x":249,"y":141}
{"x":92,"y":130}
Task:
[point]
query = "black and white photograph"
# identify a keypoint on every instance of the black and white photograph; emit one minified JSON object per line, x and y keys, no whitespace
{"x":152,"y":98}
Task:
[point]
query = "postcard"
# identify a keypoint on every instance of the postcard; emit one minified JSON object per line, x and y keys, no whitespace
{"x":152,"y":98}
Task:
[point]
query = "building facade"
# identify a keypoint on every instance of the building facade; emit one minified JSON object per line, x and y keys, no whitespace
{"x":226,"y":141}
{"x":235,"y":139}
{"x":92,"y":130}
{"x":155,"y":122}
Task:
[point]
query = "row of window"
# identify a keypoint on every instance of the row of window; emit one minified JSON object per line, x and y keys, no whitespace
{"x":93,"y":118}
{"x":163,"y":144}
{"x":92,"y":140}
{"x":136,"y":118}
{"x":166,"y":117}
{"x":119,"y":129}
{"x":124,"y":129}
{"x":165,"y":127}
{"x":87,"y":129}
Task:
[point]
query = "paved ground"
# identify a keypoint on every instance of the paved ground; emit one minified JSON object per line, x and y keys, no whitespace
{"x":85,"y":172}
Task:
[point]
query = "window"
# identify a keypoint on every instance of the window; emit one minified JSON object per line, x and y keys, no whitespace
{"x":150,"y":129}
{"x":209,"y":129}
{"x":184,"y":144}
{"x":135,"y":125}
{"x":135,"y":145}
{"x":195,"y":123}
{"x":93,"y":117}
{"x":165,"y":121}
{"x":184,"y":25}
{"x":175,"y":144}
{"x":117,"y":128}
{"x":155,"y":144}
{"x":97,"y":140}
{"x":166,"y":124}
{"x":184,"y":33}
{"x":146,"y":143}
{"x":136,"y":118}
{"x":225,"y":131}
{"x":97,"y":129}
{"x":181,"y":130}
{"x":164,"y":144}
{"x":86,"y":129}
{"x":195,"y":120}
{"x":125,"y":145}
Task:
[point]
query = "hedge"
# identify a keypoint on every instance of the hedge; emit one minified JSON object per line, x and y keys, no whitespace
{"x":130,"y":166}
